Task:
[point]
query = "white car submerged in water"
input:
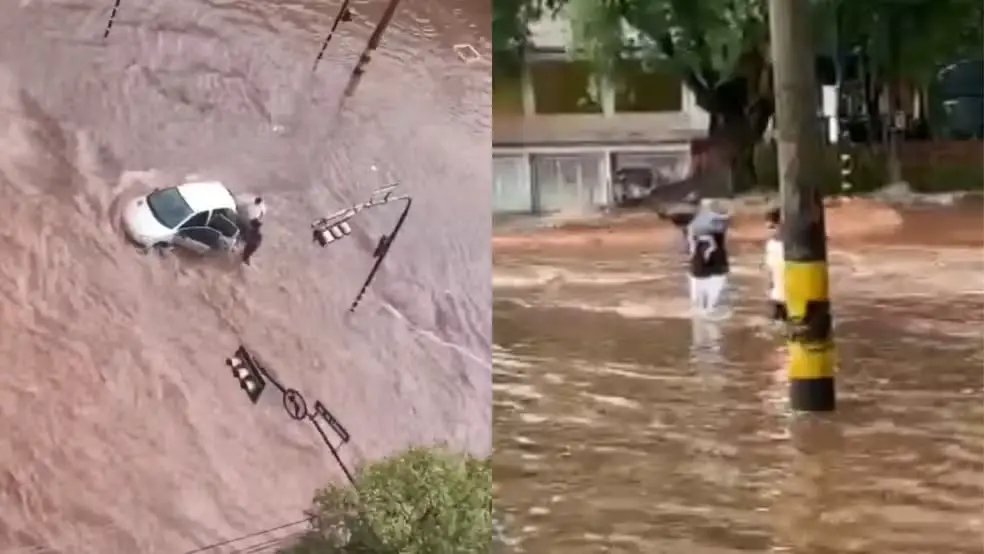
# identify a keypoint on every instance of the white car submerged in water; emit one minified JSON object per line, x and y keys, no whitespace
{"x":200,"y":215}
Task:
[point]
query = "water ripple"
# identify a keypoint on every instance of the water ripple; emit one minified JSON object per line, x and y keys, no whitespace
{"x":616,"y":433}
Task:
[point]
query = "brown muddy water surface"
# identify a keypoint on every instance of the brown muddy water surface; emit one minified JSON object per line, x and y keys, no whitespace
{"x":121,"y":430}
{"x":623,"y":426}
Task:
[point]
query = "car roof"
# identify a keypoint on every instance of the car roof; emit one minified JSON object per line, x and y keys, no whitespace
{"x":207,"y":195}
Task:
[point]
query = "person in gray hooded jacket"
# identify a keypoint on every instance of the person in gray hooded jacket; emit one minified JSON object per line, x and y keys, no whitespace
{"x":709,"y":264}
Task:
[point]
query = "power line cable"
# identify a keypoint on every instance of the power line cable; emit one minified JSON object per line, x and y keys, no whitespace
{"x":272,"y":545}
{"x":263,"y":533}
{"x":241,"y":538}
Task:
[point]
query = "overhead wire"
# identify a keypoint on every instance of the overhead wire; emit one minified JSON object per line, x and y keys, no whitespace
{"x":255,"y":534}
{"x":256,"y":548}
{"x":271,"y":546}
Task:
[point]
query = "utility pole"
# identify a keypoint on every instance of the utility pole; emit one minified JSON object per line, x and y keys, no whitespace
{"x":374,"y":40}
{"x":799,"y":140}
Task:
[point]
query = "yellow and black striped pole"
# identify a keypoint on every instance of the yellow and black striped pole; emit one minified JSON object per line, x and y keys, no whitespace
{"x":809,"y":329}
{"x":800,"y":142}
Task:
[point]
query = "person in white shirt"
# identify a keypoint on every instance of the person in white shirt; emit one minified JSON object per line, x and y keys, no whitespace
{"x":774,"y":264}
{"x":253,"y":211}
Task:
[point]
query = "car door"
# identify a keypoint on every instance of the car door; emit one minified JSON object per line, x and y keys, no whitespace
{"x":224,"y":222}
{"x":201,"y":239}
{"x":190,"y":234}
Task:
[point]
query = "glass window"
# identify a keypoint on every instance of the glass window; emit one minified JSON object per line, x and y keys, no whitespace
{"x":569,"y":170}
{"x":200,"y":220}
{"x":595,"y":186}
{"x":168,"y":206}
{"x":223,"y":221}
{"x":662,"y":167}
{"x":964,"y":78}
{"x":964,"y":118}
{"x":564,"y":87}
{"x":511,"y":191}
{"x":639,"y":90}
{"x":549,"y":193}
{"x":571,"y":182}
{"x":203,"y":235}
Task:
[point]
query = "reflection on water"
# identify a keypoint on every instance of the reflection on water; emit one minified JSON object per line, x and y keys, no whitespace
{"x":623,"y":426}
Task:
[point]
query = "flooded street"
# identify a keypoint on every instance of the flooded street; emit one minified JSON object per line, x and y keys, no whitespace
{"x":623,"y":426}
{"x":122,"y":429}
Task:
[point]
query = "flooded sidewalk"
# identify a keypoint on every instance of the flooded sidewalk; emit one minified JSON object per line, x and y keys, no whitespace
{"x":624,"y":426}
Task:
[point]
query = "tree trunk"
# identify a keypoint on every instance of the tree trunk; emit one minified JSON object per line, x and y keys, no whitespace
{"x":740,"y":110}
{"x":871,"y":100}
{"x":738,"y":150}
{"x":894,"y":168}
{"x":744,"y":177}
{"x":735,"y":137}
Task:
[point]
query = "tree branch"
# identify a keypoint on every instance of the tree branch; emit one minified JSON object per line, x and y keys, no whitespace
{"x":701,"y":89}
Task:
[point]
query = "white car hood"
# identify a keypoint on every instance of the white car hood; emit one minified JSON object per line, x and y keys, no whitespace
{"x":141,"y":225}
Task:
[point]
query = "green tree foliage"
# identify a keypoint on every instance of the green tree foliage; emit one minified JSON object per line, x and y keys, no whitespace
{"x":720,"y":48}
{"x":903,"y":41}
{"x":923,"y":33}
{"x":510,"y":32}
{"x":423,"y":501}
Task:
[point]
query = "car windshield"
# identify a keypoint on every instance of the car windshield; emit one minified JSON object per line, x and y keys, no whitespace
{"x":169,"y":207}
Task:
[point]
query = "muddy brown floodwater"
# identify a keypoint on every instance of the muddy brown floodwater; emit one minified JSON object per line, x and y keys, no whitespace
{"x":121,"y":430}
{"x":623,"y":426}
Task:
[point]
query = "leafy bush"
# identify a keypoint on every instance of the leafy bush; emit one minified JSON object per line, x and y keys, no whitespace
{"x":945,"y":178}
{"x":869,"y":172}
{"x":422,"y":501}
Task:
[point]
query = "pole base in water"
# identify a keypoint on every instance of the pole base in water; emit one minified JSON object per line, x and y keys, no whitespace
{"x":812,"y":395}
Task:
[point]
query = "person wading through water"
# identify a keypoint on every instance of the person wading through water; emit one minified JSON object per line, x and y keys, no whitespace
{"x":774,"y":265}
{"x":709,"y":263}
{"x":252,"y":238}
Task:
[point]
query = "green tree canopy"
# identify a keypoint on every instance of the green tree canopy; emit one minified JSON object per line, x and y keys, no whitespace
{"x":717,"y":47}
{"x":925,"y":33}
{"x":422,"y":501}
{"x":720,"y":49}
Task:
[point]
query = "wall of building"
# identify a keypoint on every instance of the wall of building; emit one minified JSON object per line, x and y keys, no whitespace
{"x":576,"y":179}
{"x":560,"y":131}
{"x":524,"y":112}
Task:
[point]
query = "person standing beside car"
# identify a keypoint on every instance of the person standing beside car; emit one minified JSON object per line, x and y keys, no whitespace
{"x":252,"y":238}
{"x":252,"y":210}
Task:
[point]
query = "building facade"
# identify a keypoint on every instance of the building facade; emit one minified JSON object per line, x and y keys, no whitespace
{"x":561,"y":133}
